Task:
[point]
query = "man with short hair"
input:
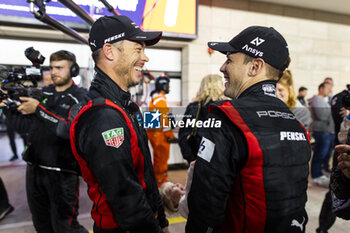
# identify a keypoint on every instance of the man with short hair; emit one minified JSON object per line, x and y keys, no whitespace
{"x":52,"y":177}
{"x":107,"y":135}
{"x":330,"y":81}
{"x":322,"y":128}
{"x":327,"y":218}
{"x":301,"y":95}
{"x":251,"y":173}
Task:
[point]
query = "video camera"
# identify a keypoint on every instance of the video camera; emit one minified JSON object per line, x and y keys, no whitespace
{"x":22,"y":81}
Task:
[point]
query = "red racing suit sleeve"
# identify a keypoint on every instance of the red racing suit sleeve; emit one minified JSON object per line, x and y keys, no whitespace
{"x":112,"y":166}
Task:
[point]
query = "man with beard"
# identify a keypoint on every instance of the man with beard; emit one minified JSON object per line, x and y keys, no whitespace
{"x":107,"y":135}
{"x":52,"y":177}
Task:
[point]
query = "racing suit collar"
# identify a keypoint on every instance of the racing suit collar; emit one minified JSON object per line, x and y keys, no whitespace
{"x":104,"y":86}
{"x":266,"y":87}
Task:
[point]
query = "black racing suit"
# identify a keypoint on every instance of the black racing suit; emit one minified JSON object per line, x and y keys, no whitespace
{"x":52,"y":177}
{"x":327,"y":217}
{"x":111,"y":147}
{"x":189,"y":146}
{"x":251,"y":173}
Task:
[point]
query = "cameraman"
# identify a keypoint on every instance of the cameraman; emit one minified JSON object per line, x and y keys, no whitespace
{"x":52,"y":178}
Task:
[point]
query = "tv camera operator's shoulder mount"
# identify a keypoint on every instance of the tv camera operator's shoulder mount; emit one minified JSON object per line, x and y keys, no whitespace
{"x":22,"y":81}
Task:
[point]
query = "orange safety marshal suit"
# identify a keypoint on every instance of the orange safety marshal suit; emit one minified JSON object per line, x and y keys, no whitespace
{"x":159,"y":137}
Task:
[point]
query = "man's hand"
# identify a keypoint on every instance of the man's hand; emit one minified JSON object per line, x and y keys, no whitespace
{"x":344,"y":159}
{"x":344,"y":112}
{"x":165,"y":230}
{"x":28,"y":105}
{"x":3,"y":103}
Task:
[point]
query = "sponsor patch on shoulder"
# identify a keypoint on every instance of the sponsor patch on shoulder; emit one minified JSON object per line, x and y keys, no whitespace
{"x":113,"y":137}
{"x":206,"y":149}
{"x":269,"y":89}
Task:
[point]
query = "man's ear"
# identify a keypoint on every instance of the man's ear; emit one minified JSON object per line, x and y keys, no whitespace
{"x":108,"y":52}
{"x":256,"y":67}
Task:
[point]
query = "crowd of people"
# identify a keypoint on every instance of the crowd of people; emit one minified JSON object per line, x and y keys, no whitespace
{"x":248,"y":173}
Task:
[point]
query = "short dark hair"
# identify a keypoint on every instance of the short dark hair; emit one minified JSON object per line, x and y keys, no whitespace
{"x":62,"y":55}
{"x":271,"y":71}
{"x":302,"y":88}
{"x":321,"y":85}
{"x":96,"y":54}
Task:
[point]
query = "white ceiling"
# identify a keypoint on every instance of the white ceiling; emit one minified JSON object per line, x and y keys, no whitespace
{"x":336,"y":6}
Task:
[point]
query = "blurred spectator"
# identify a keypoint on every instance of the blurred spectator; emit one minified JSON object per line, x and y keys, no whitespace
{"x":12,"y":138}
{"x":171,"y":194}
{"x":11,"y":135}
{"x":285,"y":92}
{"x":302,"y":93}
{"x":323,"y":131}
{"x":160,"y":138}
{"x":174,"y":196}
{"x":211,"y":89}
{"x":327,"y":217}
{"x":47,"y":80}
{"x":329,"y":80}
{"x":5,"y":207}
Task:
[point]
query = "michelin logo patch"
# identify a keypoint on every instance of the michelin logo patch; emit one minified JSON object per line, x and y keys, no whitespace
{"x":206,"y":149}
{"x":114,"y":137}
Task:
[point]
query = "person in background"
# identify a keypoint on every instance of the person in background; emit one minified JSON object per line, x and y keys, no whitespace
{"x":11,"y":133}
{"x":285,"y":91}
{"x":47,"y":80}
{"x":171,"y":194}
{"x":340,"y":177}
{"x":322,"y":128}
{"x":175,"y":196}
{"x":251,"y":173}
{"x":211,"y":89}
{"x":161,"y":138}
{"x":5,"y":207}
{"x":326,"y":159}
{"x":330,"y":81}
{"x":12,"y":139}
{"x":339,"y":112}
{"x":52,"y":176}
{"x":302,"y":93}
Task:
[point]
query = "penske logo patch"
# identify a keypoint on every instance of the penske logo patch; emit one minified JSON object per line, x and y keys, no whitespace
{"x":206,"y":149}
{"x":114,"y":137}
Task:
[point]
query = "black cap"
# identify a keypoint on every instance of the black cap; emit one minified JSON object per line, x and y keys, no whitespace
{"x":110,"y":29}
{"x":257,"y":41}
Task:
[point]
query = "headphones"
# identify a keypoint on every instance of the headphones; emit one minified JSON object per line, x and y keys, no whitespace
{"x":74,"y":69}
